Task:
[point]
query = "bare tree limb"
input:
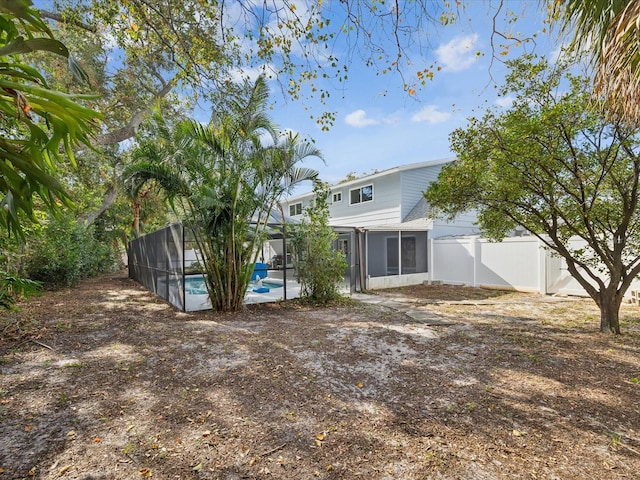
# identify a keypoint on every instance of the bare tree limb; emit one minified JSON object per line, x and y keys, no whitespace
{"x":60,"y":18}
{"x":130,"y":129}
{"x":109,"y":197}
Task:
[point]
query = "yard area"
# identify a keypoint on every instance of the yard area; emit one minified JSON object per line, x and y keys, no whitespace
{"x":106,"y":381}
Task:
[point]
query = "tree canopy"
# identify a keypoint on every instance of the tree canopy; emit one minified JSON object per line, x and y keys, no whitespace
{"x":554,"y":165}
{"x":37,"y":120}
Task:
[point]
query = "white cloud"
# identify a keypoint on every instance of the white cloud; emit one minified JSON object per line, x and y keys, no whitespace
{"x":505,"y":101}
{"x":459,"y":54}
{"x":430,"y":114}
{"x":359,"y":119}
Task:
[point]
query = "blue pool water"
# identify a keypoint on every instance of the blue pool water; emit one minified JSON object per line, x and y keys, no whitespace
{"x":196,"y":286}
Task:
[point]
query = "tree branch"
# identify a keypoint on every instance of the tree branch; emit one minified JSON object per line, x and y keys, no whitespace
{"x":69,"y":21}
{"x":130,"y":129}
{"x":108,"y":199}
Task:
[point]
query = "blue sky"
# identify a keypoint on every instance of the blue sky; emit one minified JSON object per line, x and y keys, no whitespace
{"x":376,"y":131}
{"x":378,"y":125}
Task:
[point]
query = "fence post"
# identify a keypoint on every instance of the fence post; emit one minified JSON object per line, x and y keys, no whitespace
{"x":475,"y":255}
{"x":430,"y":259}
{"x":542,"y":271}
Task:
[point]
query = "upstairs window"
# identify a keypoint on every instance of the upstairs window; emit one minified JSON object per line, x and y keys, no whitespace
{"x":337,"y":197}
{"x":361,"y":195}
{"x":295,"y":209}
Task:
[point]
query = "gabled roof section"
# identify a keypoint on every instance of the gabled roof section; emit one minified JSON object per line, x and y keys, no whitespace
{"x":419,"y":212}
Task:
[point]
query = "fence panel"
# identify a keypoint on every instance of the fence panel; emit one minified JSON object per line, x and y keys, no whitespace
{"x":512,"y":263}
{"x":156,"y":261}
{"x":452,"y":260}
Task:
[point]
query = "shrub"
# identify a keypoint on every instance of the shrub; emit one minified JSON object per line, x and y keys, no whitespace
{"x":66,"y":252}
{"x":320,"y":267}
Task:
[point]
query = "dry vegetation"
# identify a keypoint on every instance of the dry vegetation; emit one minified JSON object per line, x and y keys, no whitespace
{"x":107,"y":382}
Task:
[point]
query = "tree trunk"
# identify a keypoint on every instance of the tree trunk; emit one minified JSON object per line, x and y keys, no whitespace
{"x":109,"y":197}
{"x":136,"y":216}
{"x":609,"y":303}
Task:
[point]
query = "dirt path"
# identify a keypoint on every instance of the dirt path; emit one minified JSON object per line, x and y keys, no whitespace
{"x":107,"y":382}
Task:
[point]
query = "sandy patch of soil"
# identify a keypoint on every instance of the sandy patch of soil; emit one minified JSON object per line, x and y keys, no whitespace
{"x":106,"y":381}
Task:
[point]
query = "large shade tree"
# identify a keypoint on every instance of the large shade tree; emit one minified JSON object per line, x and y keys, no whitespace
{"x":553,"y":164}
{"x":226,"y":177}
{"x":176,"y":52}
{"x":38,"y":124}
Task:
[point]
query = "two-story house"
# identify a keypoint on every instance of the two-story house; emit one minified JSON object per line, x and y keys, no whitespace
{"x":384,"y":225}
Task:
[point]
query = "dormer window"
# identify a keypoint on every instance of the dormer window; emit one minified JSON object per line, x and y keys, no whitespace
{"x":361,"y":195}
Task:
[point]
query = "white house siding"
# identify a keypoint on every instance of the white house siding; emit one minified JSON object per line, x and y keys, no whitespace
{"x":413,"y":183}
{"x":367,"y":218}
{"x":385,"y":207}
{"x":463,"y":224}
{"x":304,"y":199}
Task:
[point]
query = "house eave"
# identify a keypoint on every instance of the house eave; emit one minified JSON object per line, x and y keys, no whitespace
{"x":373,"y":176}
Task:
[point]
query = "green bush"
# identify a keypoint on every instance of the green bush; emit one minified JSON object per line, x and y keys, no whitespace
{"x":65,"y":252}
{"x":320,"y":267}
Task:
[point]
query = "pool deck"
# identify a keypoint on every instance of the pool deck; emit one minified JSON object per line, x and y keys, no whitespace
{"x":201,"y":302}
{"x":274,"y":294}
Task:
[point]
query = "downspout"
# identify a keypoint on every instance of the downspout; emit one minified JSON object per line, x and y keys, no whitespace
{"x":399,"y":253}
{"x":362,"y":258}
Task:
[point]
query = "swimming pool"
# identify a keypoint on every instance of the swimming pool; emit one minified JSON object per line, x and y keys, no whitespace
{"x":195,"y":285}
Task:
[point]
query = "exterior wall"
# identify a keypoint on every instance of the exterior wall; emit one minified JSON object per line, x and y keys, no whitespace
{"x":412,"y":185}
{"x":375,"y":283}
{"x":395,"y":193}
{"x":304,"y":199}
{"x":463,"y":224}
{"x":385,"y":207}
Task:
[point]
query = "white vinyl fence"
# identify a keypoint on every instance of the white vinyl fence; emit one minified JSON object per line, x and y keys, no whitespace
{"x":520,"y":263}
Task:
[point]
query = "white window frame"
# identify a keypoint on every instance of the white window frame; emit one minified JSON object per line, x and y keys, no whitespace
{"x":294,"y":208}
{"x":360,"y":189}
{"x":337,"y":195}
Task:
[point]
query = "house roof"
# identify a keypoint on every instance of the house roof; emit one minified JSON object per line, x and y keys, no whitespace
{"x":418,"y":225}
{"x":421,"y":210}
{"x":417,"y":219}
{"x":382,"y":173}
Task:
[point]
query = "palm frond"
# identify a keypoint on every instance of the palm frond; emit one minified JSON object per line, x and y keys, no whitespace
{"x":609,"y":32}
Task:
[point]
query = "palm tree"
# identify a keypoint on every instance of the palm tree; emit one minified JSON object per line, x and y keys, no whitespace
{"x":609,"y":32}
{"x":226,"y":179}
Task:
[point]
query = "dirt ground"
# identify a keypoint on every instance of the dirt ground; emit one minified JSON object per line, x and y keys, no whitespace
{"x":105,"y":381}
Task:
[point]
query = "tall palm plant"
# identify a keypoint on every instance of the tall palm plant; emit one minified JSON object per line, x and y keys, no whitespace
{"x":609,"y":32}
{"x":226,"y":177}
